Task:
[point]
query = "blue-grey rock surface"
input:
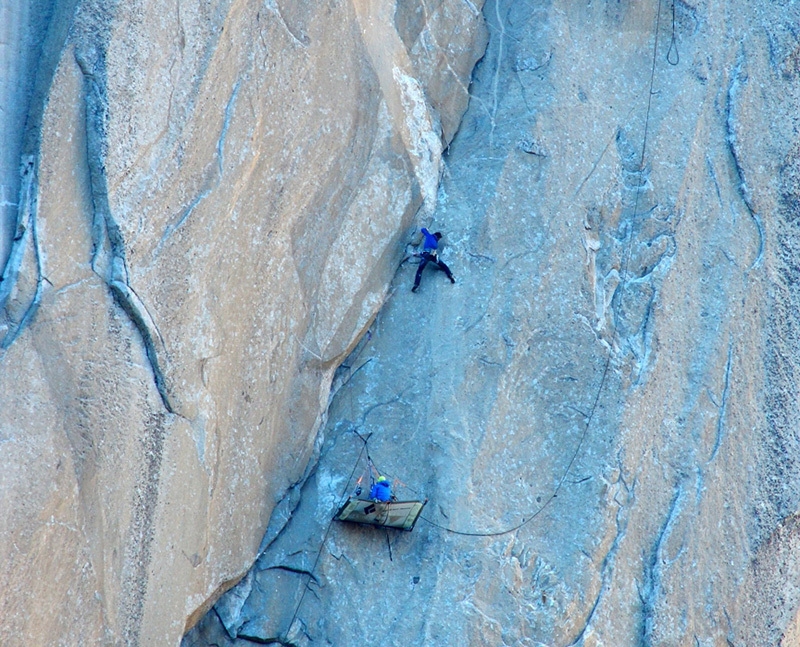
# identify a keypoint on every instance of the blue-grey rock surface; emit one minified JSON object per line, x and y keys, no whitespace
{"x":207,"y":203}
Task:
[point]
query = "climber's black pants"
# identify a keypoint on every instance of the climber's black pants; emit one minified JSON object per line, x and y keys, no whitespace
{"x":433,"y":260}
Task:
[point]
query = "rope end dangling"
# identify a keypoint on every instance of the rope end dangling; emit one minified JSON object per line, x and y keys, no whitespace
{"x":673,"y":44}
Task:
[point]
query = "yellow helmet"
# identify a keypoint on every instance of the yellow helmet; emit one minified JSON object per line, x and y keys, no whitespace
{"x":381,"y":479}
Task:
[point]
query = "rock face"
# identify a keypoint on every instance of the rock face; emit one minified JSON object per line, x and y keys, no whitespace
{"x":603,"y":410}
{"x":204,"y":208}
{"x":213,"y":198}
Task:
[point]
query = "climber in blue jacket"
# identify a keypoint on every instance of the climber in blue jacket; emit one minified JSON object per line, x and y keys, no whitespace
{"x":430,"y":250}
{"x":381,"y":490}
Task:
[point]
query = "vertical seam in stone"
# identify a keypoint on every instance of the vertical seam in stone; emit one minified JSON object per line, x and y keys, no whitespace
{"x":220,"y":148}
{"x":26,"y":226}
{"x":738,"y":77}
{"x":106,"y":233}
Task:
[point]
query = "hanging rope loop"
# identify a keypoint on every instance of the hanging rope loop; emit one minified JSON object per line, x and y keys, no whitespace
{"x":590,"y":415}
{"x":673,"y":57}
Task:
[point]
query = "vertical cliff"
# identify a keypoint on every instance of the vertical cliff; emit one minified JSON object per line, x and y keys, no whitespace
{"x":602,"y":411}
{"x":204,"y":330}
{"x":208,"y":203}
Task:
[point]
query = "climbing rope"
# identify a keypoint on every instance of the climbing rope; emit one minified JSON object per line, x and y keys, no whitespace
{"x":673,"y":45}
{"x":607,"y":364}
{"x":322,"y":545}
{"x":589,"y":416}
{"x":313,"y":568}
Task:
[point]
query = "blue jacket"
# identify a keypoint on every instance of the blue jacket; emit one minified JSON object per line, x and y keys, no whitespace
{"x":382,"y":491}
{"x":430,"y":244}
